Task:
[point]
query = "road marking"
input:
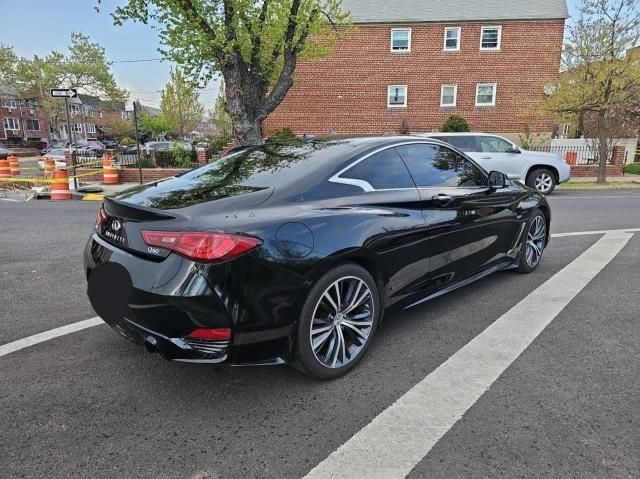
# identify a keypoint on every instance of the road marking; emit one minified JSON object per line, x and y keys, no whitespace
{"x":601,"y":232}
{"x":47,"y":335}
{"x":397,"y":439}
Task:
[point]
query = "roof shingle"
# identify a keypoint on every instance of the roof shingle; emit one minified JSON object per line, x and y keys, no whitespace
{"x":414,"y":11}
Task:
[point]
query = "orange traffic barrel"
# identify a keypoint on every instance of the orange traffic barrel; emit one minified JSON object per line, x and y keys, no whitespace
{"x":49,"y":166}
{"x":14,"y":165}
{"x":572,"y":157}
{"x":109,"y":172}
{"x":60,"y":186}
{"x":5,"y":169}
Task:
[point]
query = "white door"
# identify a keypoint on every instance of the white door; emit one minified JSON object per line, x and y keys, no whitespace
{"x":497,"y":154}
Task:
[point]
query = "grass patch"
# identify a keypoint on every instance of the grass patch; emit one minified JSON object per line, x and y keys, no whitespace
{"x":632,"y":169}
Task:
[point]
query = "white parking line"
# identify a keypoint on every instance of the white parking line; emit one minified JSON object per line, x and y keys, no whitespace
{"x":397,"y":439}
{"x":47,"y":335}
{"x":601,"y":232}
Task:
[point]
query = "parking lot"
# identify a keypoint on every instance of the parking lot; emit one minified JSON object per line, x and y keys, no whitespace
{"x":514,"y":376}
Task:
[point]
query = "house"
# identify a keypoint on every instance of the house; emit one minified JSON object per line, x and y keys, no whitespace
{"x":89,"y":116}
{"x":410,"y":64}
{"x":22,"y":121}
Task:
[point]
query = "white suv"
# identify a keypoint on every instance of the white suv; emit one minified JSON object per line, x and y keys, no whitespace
{"x":542,"y":171}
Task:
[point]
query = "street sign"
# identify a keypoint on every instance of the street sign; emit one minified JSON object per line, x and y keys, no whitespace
{"x":64,"y":92}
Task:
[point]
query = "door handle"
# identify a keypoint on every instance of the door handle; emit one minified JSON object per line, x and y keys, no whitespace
{"x":486,"y":157}
{"x":442,"y":199}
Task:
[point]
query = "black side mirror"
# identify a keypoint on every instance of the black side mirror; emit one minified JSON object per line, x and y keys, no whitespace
{"x":515,"y":149}
{"x":497,"y":179}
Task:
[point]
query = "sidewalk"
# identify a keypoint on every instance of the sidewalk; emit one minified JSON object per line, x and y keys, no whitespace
{"x":628,"y":178}
{"x":106,"y":190}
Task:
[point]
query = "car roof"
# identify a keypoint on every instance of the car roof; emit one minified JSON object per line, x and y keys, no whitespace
{"x":436,"y":134}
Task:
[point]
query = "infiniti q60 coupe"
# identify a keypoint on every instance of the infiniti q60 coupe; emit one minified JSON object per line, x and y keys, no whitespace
{"x":292,"y":253}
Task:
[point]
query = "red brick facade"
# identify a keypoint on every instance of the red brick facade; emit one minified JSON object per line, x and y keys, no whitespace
{"x":28,"y":118}
{"x":346,"y":92}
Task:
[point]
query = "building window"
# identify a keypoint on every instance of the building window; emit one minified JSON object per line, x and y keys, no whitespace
{"x":90,"y":128}
{"x":397,"y":96}
{"x":125,"y":115}
{"x":12,"y":124}
{"x":77,"y":128}
{"x":9,"y":103}
{"x":490,"y":38}
{"x":485,"y":94}
{"x":88,"y":110}
{"x":33,"y":125}
{"x":566,"y":129}
{"x":448,"y":95}
{"x":452,"y":38}
{"x":101,"y":114}
{"x":401,"y":40}
{"x":74,"y":109}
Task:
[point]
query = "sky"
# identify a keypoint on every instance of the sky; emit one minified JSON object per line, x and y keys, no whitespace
{"x":36,"y":27}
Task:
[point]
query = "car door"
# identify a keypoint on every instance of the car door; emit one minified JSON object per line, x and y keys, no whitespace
{"x":387,"y":215}
{"x":471,"y":226}
{"x":497,"y":154}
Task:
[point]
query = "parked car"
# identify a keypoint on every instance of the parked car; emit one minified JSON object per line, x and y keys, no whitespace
{"x":157,"y":145}
{"x":5,"y":152}
{"x":542,"y":171}
{"x":55,"y":146}
{"x":57,"y":155}
{"x":293,"y":252}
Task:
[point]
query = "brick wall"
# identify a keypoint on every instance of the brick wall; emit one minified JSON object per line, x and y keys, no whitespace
{"x":614,"y":169}
{"x":347,"y":91}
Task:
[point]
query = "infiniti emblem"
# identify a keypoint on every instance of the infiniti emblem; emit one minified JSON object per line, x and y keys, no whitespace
{"x":116,"y":225}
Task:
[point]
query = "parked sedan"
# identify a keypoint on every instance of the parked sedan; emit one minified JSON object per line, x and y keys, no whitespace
{"x":5,"y":152}
{"x":539,"y":170}
{"x":57,"y":155}
{"x":294,"y":253}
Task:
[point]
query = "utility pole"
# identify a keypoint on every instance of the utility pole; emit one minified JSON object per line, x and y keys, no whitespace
{"x":71,"y":144}
{"x":135,"y":123}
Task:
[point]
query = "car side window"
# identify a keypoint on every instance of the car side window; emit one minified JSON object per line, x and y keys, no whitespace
{"x":466,"y":143}
{"x":493,"y":144}
{"x":435,"y":165}
{"x":383,"y":170}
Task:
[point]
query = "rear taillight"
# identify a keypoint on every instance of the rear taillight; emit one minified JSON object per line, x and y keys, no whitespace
{"x":201,"y":246}
{"x":101,"y":216}
{"x":210,"y":334}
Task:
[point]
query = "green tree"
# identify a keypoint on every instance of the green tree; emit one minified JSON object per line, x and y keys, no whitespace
{"x":157,"y":127}
{"x":600,"y":85}
{"x":255,"y":45}
{"x":455,"y":123}
{"x":220,"y":115}
{"x":180,"y":104}
{"x":120,"y":129}
{"x":84,"y":66}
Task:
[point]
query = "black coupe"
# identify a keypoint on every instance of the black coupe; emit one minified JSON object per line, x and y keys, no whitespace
{"x":293,"y":252}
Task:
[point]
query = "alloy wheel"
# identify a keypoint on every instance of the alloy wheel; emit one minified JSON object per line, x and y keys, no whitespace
{"x":536,"y":238}
{"x":342,"y":322}
{"x":544,"y":182}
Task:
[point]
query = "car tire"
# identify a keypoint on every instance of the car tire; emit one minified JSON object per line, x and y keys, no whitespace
{"x":534,"y":243}
{"x":339,"y":339}
{"x":542,"y":180}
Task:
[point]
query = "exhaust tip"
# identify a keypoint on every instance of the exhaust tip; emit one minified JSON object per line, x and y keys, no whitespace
{"x":150,"y":344}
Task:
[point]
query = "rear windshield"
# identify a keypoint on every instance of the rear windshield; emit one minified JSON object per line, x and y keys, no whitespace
{"x":266,"y":166}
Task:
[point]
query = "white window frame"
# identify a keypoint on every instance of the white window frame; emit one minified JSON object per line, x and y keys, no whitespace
{"x":406,"y":94}
{"x":74,"y":109}
{"x":9,"y":103}
{"x":87,"y":110}
{"x":458,"y":38}
{"x":90,"y":128}
{"x":101,"y":114}
{"x":74,"y":128}
{"x":566,"y":130}
{"x":37,"y":120}
{"x":455,"y":95}
{"x":15,"y":121}
{"x":408,"y":50}
{"x":495,"y":93}
{"x":491,"y":27}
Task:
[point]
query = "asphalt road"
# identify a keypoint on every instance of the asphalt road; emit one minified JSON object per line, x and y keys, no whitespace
{"x":90,"y":404}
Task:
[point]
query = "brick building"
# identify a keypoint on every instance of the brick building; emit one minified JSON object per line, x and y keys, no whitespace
{"x":413,"y":63}
{"x":22,"y":121}
{"x":90,"y":116}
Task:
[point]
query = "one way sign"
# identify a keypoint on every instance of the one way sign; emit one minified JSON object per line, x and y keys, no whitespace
{"x":64,"y":92}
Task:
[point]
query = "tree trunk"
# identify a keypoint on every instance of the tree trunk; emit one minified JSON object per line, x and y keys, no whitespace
{"x":603,"y":151}
{"x":245,"y":94}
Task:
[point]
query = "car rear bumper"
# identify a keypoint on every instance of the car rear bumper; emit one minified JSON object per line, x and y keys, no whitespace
{"x":172,"y":297}
{"x":564,"y":172}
